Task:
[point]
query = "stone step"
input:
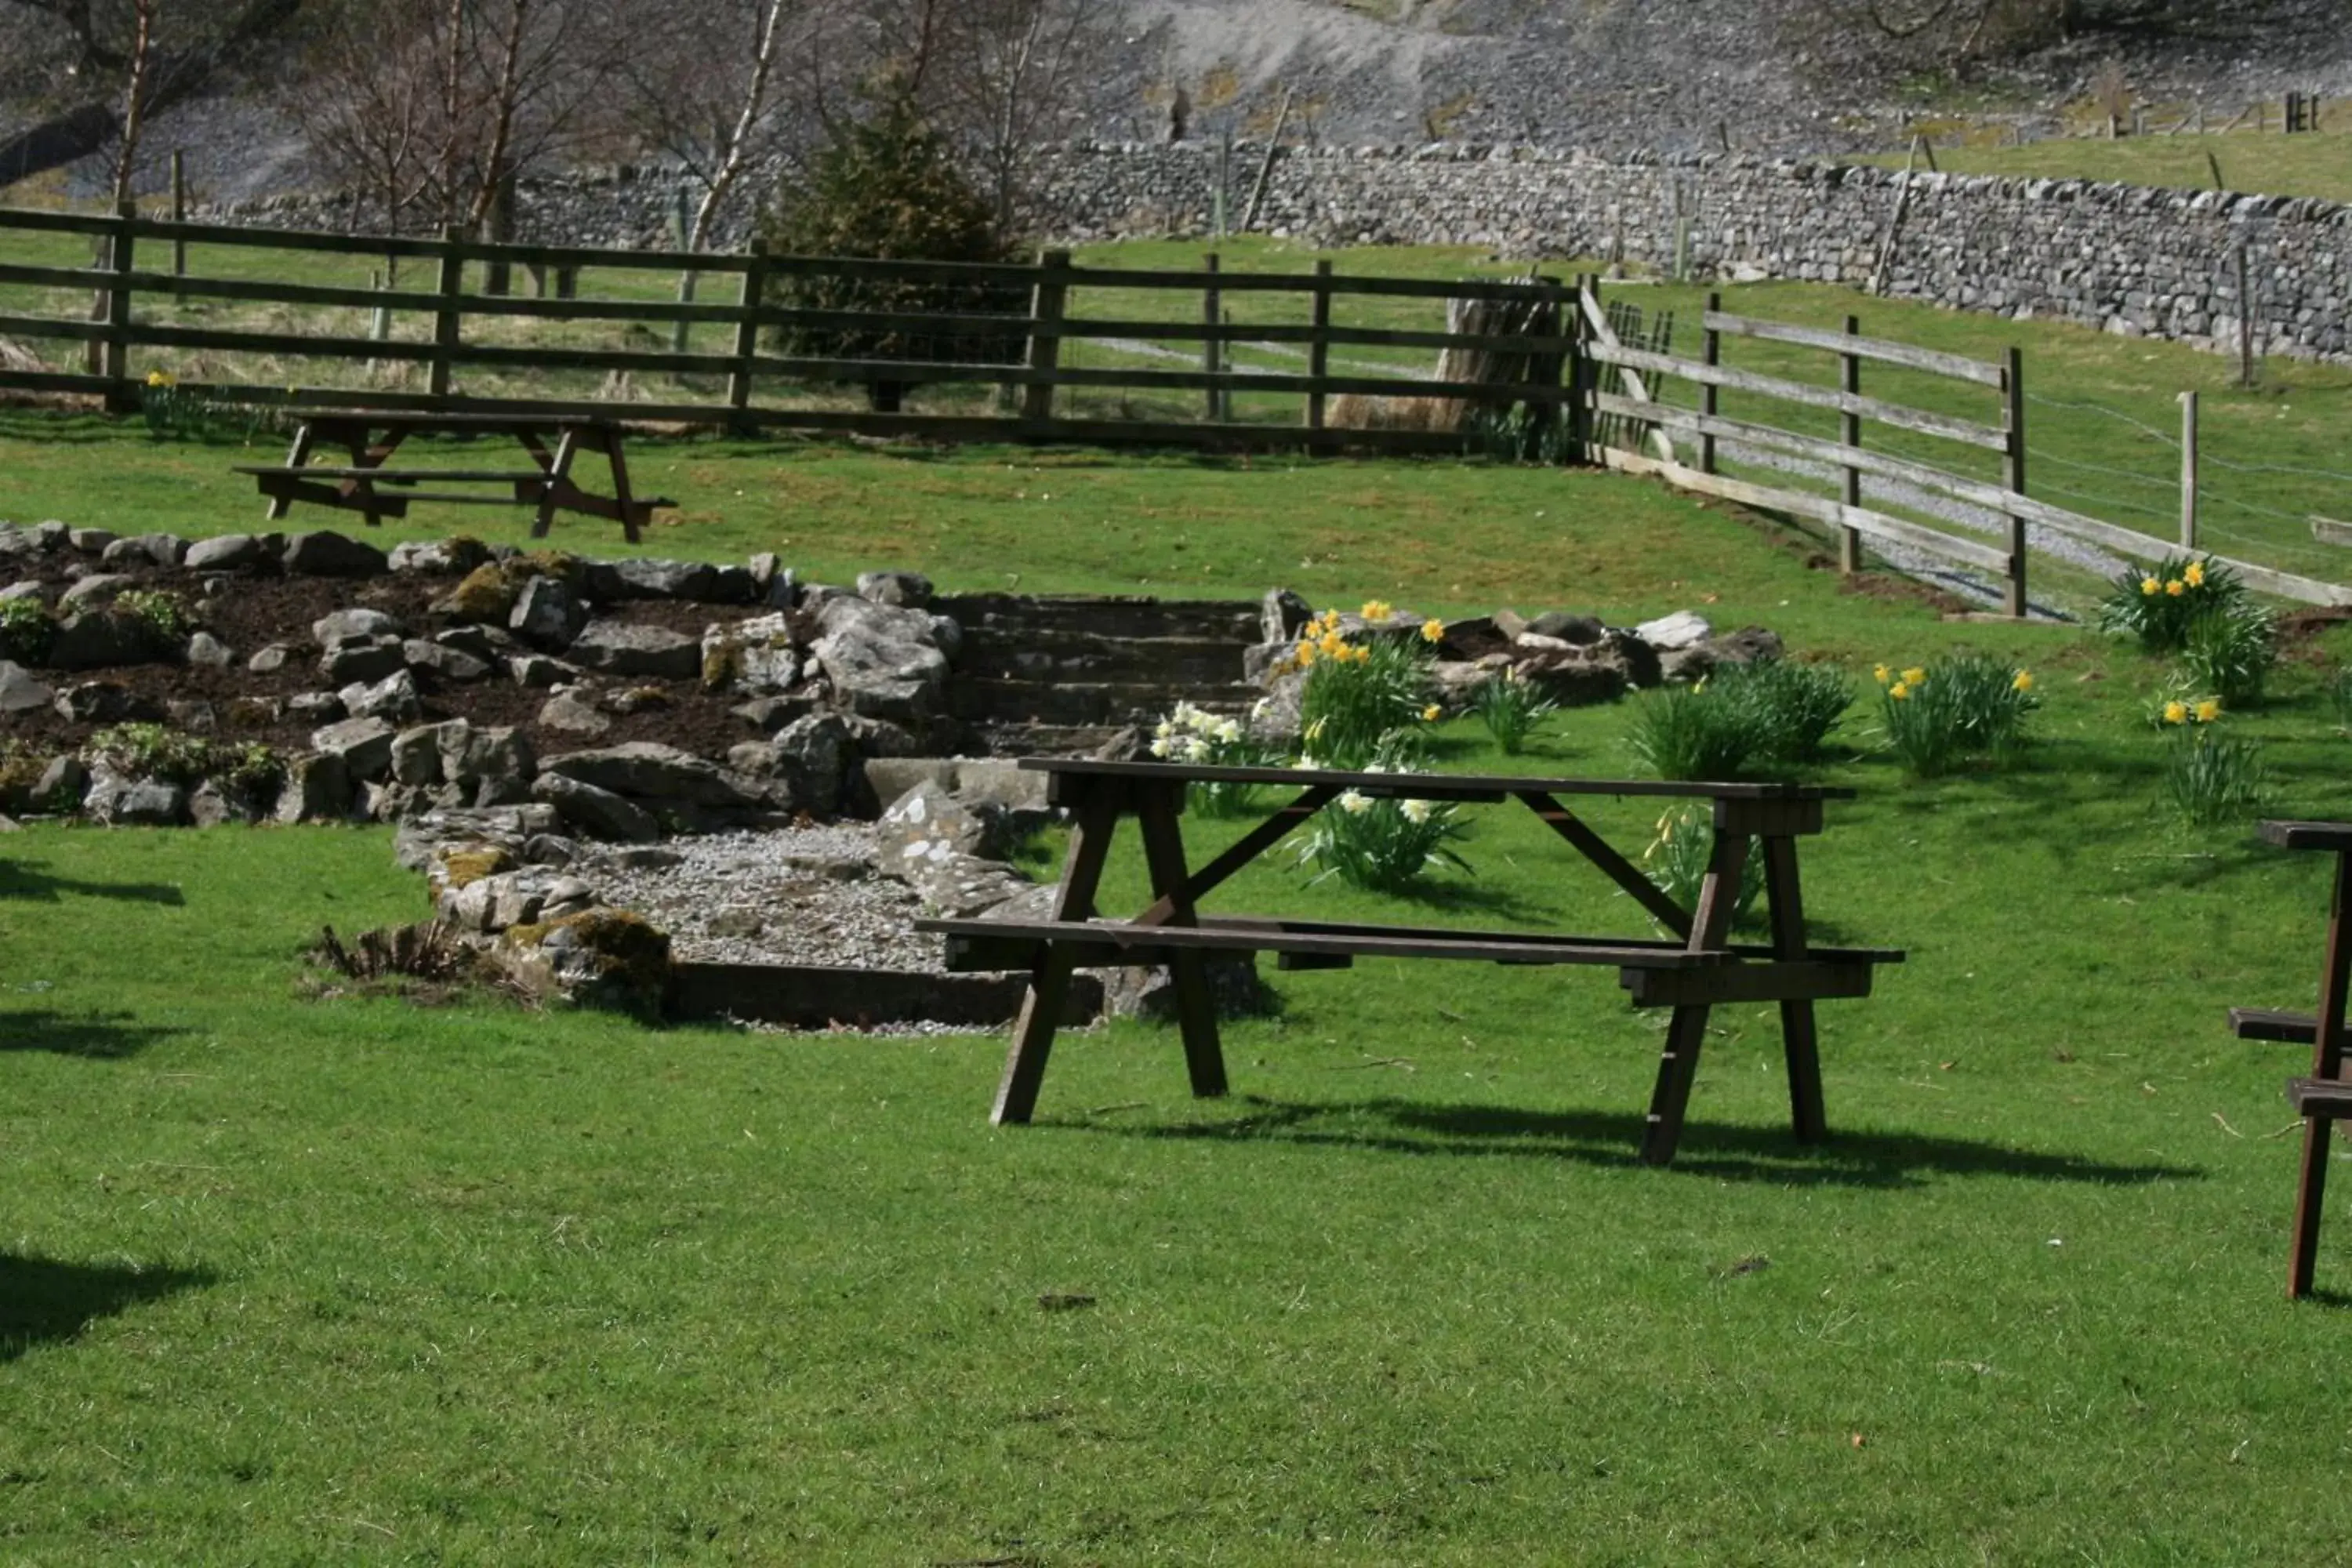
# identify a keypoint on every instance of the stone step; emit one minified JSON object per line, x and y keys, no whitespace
{"x":1031,"y":654}
{"x":1048,"y":739}
{"x":985,"y":699}
{"x":1228,"y":620}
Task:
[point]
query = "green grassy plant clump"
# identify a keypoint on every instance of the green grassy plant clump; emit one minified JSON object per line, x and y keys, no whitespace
{"x":1677,"y":859}
{"x":1381,"y":845}
{"x":1513,"y":709}
{"x":1792,"y":708}
{"x":163,"y":615}
{"x":2159,"y":607}
{"x":1193,"y":735}
{"x":2210,"y":778}
{"x":2230,"y":651}
{"x":1958,"y":709}
{"x":157,"y":751}
{"x":2340,"y":697}
{"x":1359,"y":693}
{"x":1693,"y":732}
{"x":26,"y":630}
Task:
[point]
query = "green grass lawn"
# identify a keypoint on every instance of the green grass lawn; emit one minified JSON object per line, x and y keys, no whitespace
{"x":287,"y":1279}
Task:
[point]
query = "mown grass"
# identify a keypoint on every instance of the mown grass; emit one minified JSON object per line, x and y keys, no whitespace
{"x":287,"y":1278}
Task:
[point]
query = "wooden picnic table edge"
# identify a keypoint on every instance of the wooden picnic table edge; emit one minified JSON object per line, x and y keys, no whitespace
{"x":1483,"y":784}
{"x":2288,"y":835}
{"x":391,"y":416}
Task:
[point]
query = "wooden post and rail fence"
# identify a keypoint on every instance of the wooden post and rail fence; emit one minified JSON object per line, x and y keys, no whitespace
{"x":1635,"y":409}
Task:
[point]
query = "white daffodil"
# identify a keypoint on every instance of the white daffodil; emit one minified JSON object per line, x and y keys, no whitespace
{"x":1306,"y":762}
{"x":1354,"y":803}
{"x":1416,"y":811}
{"x":1159,"y":747}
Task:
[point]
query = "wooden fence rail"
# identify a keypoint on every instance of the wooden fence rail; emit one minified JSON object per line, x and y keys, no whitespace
{"x":1023,"y":346}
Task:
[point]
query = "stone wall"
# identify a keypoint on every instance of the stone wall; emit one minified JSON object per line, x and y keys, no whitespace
{"x":2128,"y":259}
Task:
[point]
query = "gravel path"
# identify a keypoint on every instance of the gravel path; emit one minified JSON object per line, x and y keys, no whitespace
{"x":804,"y":895}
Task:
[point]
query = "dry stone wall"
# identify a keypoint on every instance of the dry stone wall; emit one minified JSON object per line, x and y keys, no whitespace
{"x":2127,"y":259}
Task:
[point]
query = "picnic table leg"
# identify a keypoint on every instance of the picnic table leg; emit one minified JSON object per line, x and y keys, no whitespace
{"x":1686,"y":1032}
{"x":1196,"y":1008}
{"x":558,"y":469}
{"x":296,"y":456}
{"x":632,"y":516}
{"x":1049,"y":980}
{"x":370,"y":454}
{"x":1798,"y":1039}
{"x":2326,"y":1062}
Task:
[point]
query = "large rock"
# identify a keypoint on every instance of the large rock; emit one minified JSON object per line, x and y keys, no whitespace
{"x":805,"y":766}
{"x":883,"y":662}
{"x":395,"y":697}
{"x":226,"y":552}
{"x":447,"y":663}
{"x":1582,"y":677}
{"x":317,"y":788}
{"x":1749,"y":644}
{"x":1683,"y":628}
{"x":634,"y":577}
{"x":573,"y":710}
{"x":493,"y":765}
{"x":362,"y":745}
{"x":503,"y":900}
{"x":596,"y":813}
{"x":927,"y":819}
{"x":330,"y":554}
{"x":62,"y":785}
{"x":1281,"y":615}
{"x":1233,"y":987}
{"x":417,"y":755}
{"x":209,"y":652}
{"x":354,"y":624}
{"x":106,"y":702}
{"x":617,"y":647}
{"x":20,"y":692}
{"x":953,"y":885}
{"x":120,"y":802}
{"x":363,"y":658}
{"x":911,"y":590}
{"x":548,"y":612}
{"x":753,"y":656}
{"x":648,"y":771}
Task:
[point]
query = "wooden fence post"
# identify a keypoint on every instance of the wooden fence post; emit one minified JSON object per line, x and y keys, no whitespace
{"x":2189,"y":471}
{"x":1318,"y":347}
{"x":1210,"y":355}
{"x":119,"y":398}
{"x":179,"y":211}
{"x":1048,"y":304}
{"x":1580,"y":378}
{"x":446,"y":320}
{"x":747,"y":338}
{"x":2245,"y":321}
{"x":2012,"y":386}
{"x":1709,"y":395}
{"x":1850,"y":435}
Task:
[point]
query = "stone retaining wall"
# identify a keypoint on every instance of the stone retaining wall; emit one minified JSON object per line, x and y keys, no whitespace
{"x":2128,"y":259}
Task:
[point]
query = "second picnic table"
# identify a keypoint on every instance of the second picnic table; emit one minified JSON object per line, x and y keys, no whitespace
{"x":370,"y":486}
{"x":1690,"y":971}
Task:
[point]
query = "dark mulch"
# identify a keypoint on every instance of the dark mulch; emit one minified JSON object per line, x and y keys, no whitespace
{"x":257,"y":611}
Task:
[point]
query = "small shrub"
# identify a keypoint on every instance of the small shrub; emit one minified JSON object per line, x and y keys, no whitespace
{"x":2229,"y":651}
{"x":2158,"y":607}
{"x":1693,"y":732}
{"x":1357,"y":694}
{"x":2212,"y":778}
{"x":1512,"y":709}
{"x":162,"y":612}
{"x":1792,"y":707}
{"x":1191,"y":734}
{"x":26,"y":630}
{"x":151,"y":750}
{"x":1677,"y":859}
{"x":1966,"y":706}
{"x":1384,"y":846}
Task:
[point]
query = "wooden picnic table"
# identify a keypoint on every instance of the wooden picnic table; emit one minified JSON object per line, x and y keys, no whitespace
{"x":370,"y":486}
{"x":1691,"y":972}
{"x":2326,"y":1096}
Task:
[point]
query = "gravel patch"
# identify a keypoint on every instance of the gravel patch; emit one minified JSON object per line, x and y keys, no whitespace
{"x":801,"y":895}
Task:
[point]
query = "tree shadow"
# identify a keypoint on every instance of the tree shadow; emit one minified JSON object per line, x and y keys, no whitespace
{"x":18,"y":881}
{"x":1612,"y":1139}
{"x":43,"y":1301}
{"x":109,"y":1036}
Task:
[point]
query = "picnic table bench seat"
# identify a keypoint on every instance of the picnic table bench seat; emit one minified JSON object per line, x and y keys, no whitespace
{"x":1694,"y":968}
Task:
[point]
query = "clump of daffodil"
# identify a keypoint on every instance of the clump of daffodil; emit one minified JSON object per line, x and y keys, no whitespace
{"x":2159,"y":607}
{"x":2210,"y":778}
{"x":1375,"y":841}
{"x":1954,"y":708}
{"x":1680,"y":853}
{"x":1362,"y":683}
{"x":1513,"y":709}
{"x":1194,"y":734}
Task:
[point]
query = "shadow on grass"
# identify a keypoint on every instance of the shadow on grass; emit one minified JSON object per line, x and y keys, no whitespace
{"x":43,"y":1301}
{"x":21,"y":881}
{"x":108,"y":1037}
{"x":1877,"y":1159}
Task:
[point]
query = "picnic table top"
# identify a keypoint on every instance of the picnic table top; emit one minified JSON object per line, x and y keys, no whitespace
{"x":390,"y":418}
{"x":2308,"y":834}
{"x":1434,"y":785}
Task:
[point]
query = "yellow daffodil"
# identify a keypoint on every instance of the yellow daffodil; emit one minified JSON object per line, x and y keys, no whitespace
{"x":1882,"y":675}
{"x":1305,"y":655}
{"x":1362,"y":655}
{"x":2208,"y":710}
{"x":1332,"y":644}
{"x":2023,"y":682}
{"x":1432,"y":630}
{"x":1915,"y":676}
{"x":162,"y":378}
{"x":2176,"y":712}
{"x":1431,"y":714}
{"x":2150,"y":586}
{"x":2174,"y":589}
{"x":2194,"y":575}
{"x":1900,"y":692}
{"x":1378,"y":610}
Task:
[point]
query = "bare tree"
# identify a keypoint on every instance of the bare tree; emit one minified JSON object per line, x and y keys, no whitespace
{"x":134,"y":97}
{"x":707,"y":90}
{"x":372,"y":103}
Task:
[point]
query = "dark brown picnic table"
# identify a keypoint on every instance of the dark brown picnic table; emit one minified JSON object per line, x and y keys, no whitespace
{"x":370,"y":485}
{"x":1690,"y":971}
{"x":2326,"y":1097}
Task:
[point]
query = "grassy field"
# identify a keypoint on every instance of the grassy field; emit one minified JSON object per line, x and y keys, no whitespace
{"x":2306,"y":166}
{"x":285,"y":1278}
